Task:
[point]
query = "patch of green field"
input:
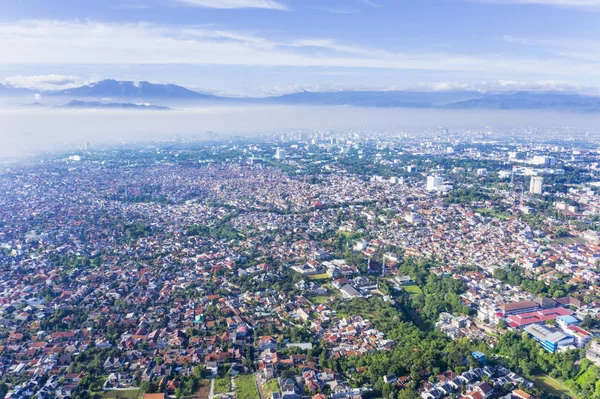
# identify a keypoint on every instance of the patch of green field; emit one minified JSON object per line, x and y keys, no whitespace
{"x":128,"y":394}
{"x":568,"y":240}
{"x":412,"y":289}
{"x":245,"y":387}
{"x":322,"y":276}
{"x":552,"y":386}
{"x":222,"y":385}
{"x":492,"y":213}
{"x":320,"y":299}
{"x":269,"y":387}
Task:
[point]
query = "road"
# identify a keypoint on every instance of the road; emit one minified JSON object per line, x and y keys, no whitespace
{"x":211,"y":393}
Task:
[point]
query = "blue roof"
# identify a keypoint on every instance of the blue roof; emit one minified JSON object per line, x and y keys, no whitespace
{"x":568,"y":319}
{"x":477,"y":354}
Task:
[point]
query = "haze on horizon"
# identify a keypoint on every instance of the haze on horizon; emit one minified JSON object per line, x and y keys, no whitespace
{"x":269,"y":47}
{"x":26,"y":131}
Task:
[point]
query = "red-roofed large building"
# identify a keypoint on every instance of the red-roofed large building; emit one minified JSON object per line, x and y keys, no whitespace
{"x":537,"y":317}
{"x":508,"y":309}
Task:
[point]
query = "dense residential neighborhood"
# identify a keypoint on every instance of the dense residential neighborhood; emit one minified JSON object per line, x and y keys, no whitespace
{"x":307,"y":265}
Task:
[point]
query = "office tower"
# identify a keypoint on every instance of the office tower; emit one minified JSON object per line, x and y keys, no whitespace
{"x":536,"y":185}
{"x":280,"y":154}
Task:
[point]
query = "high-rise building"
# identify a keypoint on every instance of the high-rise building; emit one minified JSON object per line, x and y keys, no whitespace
{"x":543,"y":160}
{"x":536,"y":185}
{"x":434,"y":183}
{"x":280,"y":154}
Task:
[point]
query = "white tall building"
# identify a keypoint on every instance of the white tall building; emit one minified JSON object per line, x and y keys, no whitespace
{"x":536,"y":185}
{"x":280,"y":154}
{"x":434,"y":183}
{"x":543,"y":160}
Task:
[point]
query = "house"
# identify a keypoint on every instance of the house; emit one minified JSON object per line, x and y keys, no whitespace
{"x":212,"y":366}
{"x":287,"y":386}
{"x":349,"y":292}
{"x":479,"y":356}
{"x":112,"y":363}
{"x":593,"y":353}
{"x":268,"y":371}
{"x":518,"y":394}
{"x":266,"y":342}
{"x":484,"y":388}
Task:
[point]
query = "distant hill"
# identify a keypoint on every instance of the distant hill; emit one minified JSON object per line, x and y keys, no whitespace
{"x":409,"y":99}
{"x":96,"y":105}
{"x":528,"y":100}
{"x":446,"y":100}
{"x":455,"y":99}
{"x":110,"y":88}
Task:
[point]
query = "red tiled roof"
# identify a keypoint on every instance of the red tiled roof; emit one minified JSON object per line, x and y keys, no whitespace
{"x":539,"y":316}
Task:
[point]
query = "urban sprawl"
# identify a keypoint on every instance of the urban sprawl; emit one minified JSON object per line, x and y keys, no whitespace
{"x":323,"y":265}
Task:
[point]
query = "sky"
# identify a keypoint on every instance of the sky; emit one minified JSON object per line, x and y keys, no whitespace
{"x":263,"y":47}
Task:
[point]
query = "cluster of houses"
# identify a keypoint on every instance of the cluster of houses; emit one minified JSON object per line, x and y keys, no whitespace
{"x":472,"y":383}
{"x":165,"y":265}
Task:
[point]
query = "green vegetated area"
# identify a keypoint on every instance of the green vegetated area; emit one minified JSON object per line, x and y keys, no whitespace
{"x":323,"y":276}
{"x":126,"y":394}
{"x":563,"y":373}
{"x":136,"y":230}
{"x":320,"y":299}
{"x":222,"y":385}
{"x":409,"y":322}
{"x":245,"y":387}
{"x":222,"y":230}
{"x":493,"y":213}
{"x":269,"y":387}
{"x":412,"y":289}
{"x":466,"y":196}
{"x":548,"y":384}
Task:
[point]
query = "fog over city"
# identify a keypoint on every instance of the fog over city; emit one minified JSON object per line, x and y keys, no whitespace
{"x":27,"y":131}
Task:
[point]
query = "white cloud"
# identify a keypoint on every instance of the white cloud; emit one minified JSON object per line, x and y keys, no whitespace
{"x":44,"y":82}
{"x":494,"y":86}
{"x":48,"y":82}
{"x":585,"y":49}
{"x":44,"y":42}
{"x":229,"y":4}
{"x":512,"y":86}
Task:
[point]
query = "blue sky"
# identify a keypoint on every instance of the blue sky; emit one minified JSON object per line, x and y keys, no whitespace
{"x":259,"y":47}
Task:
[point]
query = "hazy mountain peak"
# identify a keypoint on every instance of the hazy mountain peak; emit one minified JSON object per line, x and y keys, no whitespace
{"x":129,"y":89}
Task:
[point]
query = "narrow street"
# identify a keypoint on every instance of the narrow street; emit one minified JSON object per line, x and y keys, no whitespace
{"x":212,"y":389}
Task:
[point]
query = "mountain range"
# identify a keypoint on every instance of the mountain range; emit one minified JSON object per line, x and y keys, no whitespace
{"x":125,"y":89}
{"x":135,"y":92}
{"x":100,"y":105}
